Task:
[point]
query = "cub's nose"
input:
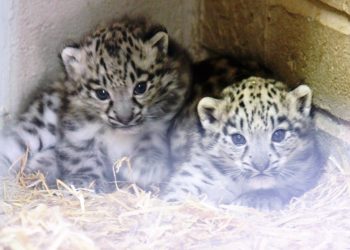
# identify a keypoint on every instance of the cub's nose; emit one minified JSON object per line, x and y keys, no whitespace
{"x":125,"y":120}
{"x":261,"y":166}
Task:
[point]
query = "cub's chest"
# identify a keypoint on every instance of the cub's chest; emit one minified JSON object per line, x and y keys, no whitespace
{"x":119,"y":144}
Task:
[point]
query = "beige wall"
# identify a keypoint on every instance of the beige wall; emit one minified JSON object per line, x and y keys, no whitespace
{"x":33,"y":33}
{"x":305,"y":40}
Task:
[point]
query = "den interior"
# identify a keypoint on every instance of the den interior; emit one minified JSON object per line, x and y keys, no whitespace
{"x":300,"y":41}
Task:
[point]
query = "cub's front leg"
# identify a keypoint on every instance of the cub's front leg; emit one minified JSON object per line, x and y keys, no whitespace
{"x":266,"y":200}
{"x":85,"y":166}
{"x":197,"y":180}
{"x":184,"y":184}
{"x":82,"y":158}
{"x":149,"y":163}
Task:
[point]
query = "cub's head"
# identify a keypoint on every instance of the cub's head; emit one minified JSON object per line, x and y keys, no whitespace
{"x":128,"y":73}
{"x":261,"y":134}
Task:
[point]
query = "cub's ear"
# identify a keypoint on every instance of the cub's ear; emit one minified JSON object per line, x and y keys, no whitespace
{"x":300,"y":100}
{"x":72,"y":61}
{"x":208,"y":113}
{"x":158,"y":38}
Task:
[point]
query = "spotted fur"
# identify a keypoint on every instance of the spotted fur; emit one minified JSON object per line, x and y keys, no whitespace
{"x":125,"y":82}
{"x":210,"y":77}
{"x":255,"y":145}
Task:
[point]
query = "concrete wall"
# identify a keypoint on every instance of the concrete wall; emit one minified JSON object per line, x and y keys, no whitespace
{"x":33,"y":33}
{"x":306,"y":40}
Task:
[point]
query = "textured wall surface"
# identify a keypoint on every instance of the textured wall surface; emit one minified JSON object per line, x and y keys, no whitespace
{"x":301,"y":40}
{"x":342,"y":5}
{"x":33,"y":33}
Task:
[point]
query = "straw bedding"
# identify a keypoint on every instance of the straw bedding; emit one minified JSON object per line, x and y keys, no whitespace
{"x":35,"y":217}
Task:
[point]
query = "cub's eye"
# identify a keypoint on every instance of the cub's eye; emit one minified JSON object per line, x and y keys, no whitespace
{"x":238,"y":139}
{"x":102,"y":94}
{"x":278,"y":135}
{"x":140,"y":88}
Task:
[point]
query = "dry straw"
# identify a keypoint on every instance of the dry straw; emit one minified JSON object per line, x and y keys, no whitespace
{"x":32,"y":216}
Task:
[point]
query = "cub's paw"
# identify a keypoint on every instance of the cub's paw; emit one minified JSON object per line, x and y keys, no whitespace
{"x":169,"y":196}
{"x":264,"y":200}
{"x":99,"y":186}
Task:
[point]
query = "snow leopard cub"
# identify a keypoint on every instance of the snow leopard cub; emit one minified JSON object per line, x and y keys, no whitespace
{"x":210,"y":77}
{"x":254,"y":146}
{"x":125,"y":82}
